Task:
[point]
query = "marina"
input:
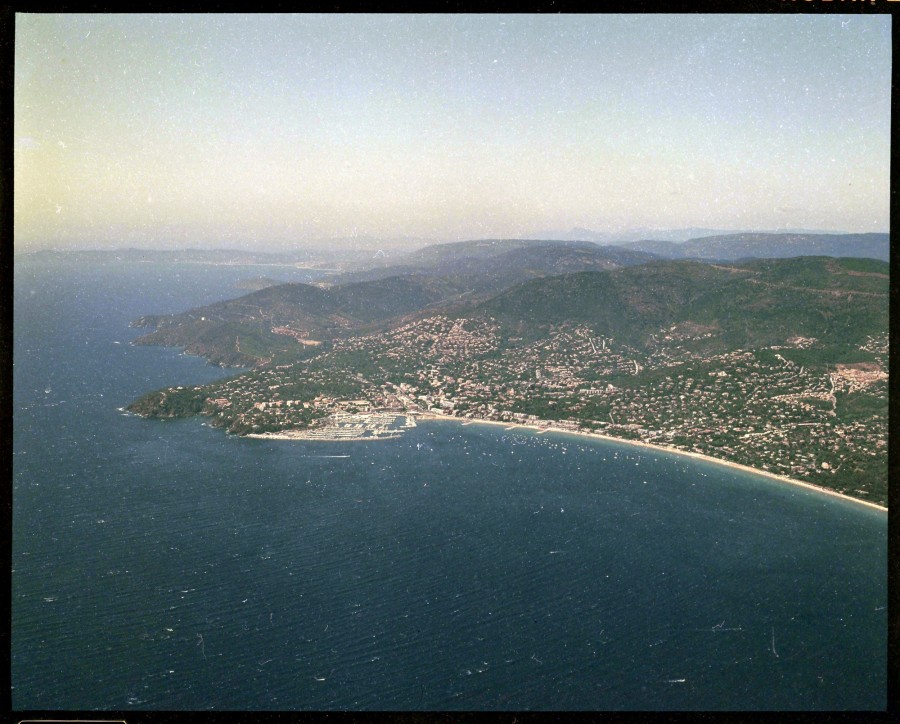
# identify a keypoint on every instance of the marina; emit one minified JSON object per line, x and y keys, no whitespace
{"x":342,"y":427}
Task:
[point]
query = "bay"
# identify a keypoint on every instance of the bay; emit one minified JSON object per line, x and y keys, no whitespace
{"x":166,"y":565}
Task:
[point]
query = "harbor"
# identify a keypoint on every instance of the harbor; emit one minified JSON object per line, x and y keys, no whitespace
{"x":344,"y":426}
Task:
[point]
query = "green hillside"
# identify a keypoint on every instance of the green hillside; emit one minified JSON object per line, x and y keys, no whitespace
{"x":756,"y":303}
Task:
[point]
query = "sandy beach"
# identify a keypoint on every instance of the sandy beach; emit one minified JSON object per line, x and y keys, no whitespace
{"x":659,"y":448}
{"x":540,"y":429}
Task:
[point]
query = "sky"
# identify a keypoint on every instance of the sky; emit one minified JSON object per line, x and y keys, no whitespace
{"x":267,"y":131}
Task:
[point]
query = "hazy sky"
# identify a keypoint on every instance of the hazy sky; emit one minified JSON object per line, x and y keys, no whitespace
{"x":231,"y":130}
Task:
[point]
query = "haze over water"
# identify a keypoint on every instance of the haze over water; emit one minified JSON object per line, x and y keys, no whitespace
{"x":165,"y":565}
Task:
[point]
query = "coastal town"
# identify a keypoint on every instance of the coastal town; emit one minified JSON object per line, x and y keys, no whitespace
{"x":764,"y":408}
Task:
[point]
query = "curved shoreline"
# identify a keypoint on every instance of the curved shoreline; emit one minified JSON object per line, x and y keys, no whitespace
{"x":659,"y":448}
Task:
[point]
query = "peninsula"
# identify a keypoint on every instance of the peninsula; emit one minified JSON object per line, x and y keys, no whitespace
{"x":777,"y":365}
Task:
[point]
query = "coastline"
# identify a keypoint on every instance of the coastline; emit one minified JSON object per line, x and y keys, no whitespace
{"x":300,"y":435}
{"x":660,"y":448}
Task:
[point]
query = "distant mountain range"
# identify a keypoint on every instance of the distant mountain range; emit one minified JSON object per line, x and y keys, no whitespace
{"x":365,"y":261}
{"x":730,"y":247}
{"x":555,"y":256}
{"x":490,"y":265}
{"x":637,"y":234}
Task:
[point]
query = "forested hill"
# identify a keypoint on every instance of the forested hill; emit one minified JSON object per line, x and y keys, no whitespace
{"x":753,"y":303}
{"x":285,"y":321}
{"x":749,"y":303}
{"x":239,"y":332}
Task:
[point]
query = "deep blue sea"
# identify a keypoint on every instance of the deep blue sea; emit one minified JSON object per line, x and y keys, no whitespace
{"x":166,"y":565}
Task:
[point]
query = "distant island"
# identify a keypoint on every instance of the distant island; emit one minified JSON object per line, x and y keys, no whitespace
{"x":776,"y":364}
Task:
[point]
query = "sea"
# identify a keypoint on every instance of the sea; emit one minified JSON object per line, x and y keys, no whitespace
{"x":165,"y":565}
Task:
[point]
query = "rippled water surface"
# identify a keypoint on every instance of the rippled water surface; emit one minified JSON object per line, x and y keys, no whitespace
{"x":165,"y":565}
